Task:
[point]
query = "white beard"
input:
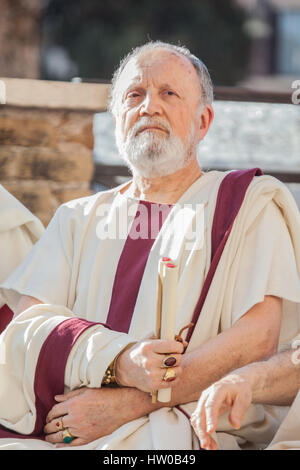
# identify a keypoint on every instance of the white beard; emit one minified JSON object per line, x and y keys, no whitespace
{"x":151,"y":153}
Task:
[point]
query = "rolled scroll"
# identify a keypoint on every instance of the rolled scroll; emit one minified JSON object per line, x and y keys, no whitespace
{"x":161,"y":263}
{"x":168,"y":278}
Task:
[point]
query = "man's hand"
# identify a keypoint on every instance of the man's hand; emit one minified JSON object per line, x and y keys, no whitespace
{"x":142,"y":365}
{"x":89,"y":413}
{"x":232,"y":393}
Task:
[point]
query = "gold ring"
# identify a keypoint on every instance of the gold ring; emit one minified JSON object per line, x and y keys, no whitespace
{"x":169,"y":361}
{"x":170,"y":375}
{"x":67,"y":436}
{"x":59,"y":424}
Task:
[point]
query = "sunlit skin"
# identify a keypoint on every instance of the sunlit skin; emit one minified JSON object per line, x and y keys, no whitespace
{"x":164,"y":85}
{"x":275,"y":381}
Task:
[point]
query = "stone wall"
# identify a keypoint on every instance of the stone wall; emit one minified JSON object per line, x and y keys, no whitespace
{"x":20,"y":38}
{"x":46,"y":141}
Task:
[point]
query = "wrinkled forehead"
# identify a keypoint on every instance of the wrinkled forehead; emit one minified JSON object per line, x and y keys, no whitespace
{"x":160,"y":65}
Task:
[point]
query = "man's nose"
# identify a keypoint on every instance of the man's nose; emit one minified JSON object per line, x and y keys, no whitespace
{"x":151,"y":105}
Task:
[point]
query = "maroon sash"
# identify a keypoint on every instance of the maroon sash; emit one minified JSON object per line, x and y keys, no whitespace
{"x":230,"y":197}
{"x":6,"y":315}
{"x":50,"y":372}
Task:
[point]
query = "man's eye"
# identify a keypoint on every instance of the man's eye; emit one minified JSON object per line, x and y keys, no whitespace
{"x":133,"y":95}
{"x":170,"y":93}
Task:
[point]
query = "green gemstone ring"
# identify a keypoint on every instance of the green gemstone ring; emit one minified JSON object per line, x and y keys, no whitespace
{"x":67,"y":436}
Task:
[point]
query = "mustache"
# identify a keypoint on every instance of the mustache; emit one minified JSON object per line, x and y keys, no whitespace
{"x":143,"y":123}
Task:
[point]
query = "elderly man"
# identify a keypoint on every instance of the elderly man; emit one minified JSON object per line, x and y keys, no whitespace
{"x":19,"y":231}
{"x":81,"y":359}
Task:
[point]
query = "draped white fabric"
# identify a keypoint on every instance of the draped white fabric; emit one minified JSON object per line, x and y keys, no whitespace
{"x":19,"y":230}
{"x":288,"y":434}
{"x":71,"y":269}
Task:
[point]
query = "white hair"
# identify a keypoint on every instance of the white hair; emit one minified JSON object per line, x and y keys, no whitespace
{"x":206,"y":85}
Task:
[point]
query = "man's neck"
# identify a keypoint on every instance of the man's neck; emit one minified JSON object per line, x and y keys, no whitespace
{"x":165,"y":189}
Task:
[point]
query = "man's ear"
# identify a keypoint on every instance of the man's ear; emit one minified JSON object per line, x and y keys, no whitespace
{"x":206,"y":119}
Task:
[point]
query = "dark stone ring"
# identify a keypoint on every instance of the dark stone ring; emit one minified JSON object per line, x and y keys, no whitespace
{"x":169,"y":361}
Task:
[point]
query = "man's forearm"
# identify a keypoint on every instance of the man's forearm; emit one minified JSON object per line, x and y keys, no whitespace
{"x":251,"y":339}
{"x":275,"y":381}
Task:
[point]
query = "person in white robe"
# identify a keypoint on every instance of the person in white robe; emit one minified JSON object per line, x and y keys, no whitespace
{"x":86,"y":296}
{"x":19,"y":231}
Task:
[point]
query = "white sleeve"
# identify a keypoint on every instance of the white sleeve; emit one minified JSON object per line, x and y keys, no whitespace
{"x":267,"y":264}
{"x":15,"y":245}
{"x":20,"y":351}
{"x":45,"y":272}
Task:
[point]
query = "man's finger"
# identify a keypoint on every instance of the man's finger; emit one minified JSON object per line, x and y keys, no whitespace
{"x":159,"y":360}
{"x":55,"y":437}
{"x":60,"y":409}
{"x":239,"y":408}
{"x":206,"y":441}
{"x":67,"y":396}
{"x":198,"y":421}
{"x":52,"y":426}
{"x":58,"y":437}
{"x":163,"y":346}
{"x":174,"y":380}
{"x":213,"y":406}
{"x":211,"y":444}
{"x":202,"y":427}
{"x":199,"y":430}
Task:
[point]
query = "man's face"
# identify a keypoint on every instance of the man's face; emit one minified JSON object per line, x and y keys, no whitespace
{"x":157,"y":110}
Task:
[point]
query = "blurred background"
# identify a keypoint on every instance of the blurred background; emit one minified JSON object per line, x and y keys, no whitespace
{"x":254,"y":42}
{"x":57,"y":58}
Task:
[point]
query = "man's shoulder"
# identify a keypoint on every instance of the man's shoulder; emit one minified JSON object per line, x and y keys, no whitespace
{"x":84,"y":207}
{"x":257,"y":184}
{"x":269,"y":201}
{"x":265,"y":185}
{"x":87,"y":201}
